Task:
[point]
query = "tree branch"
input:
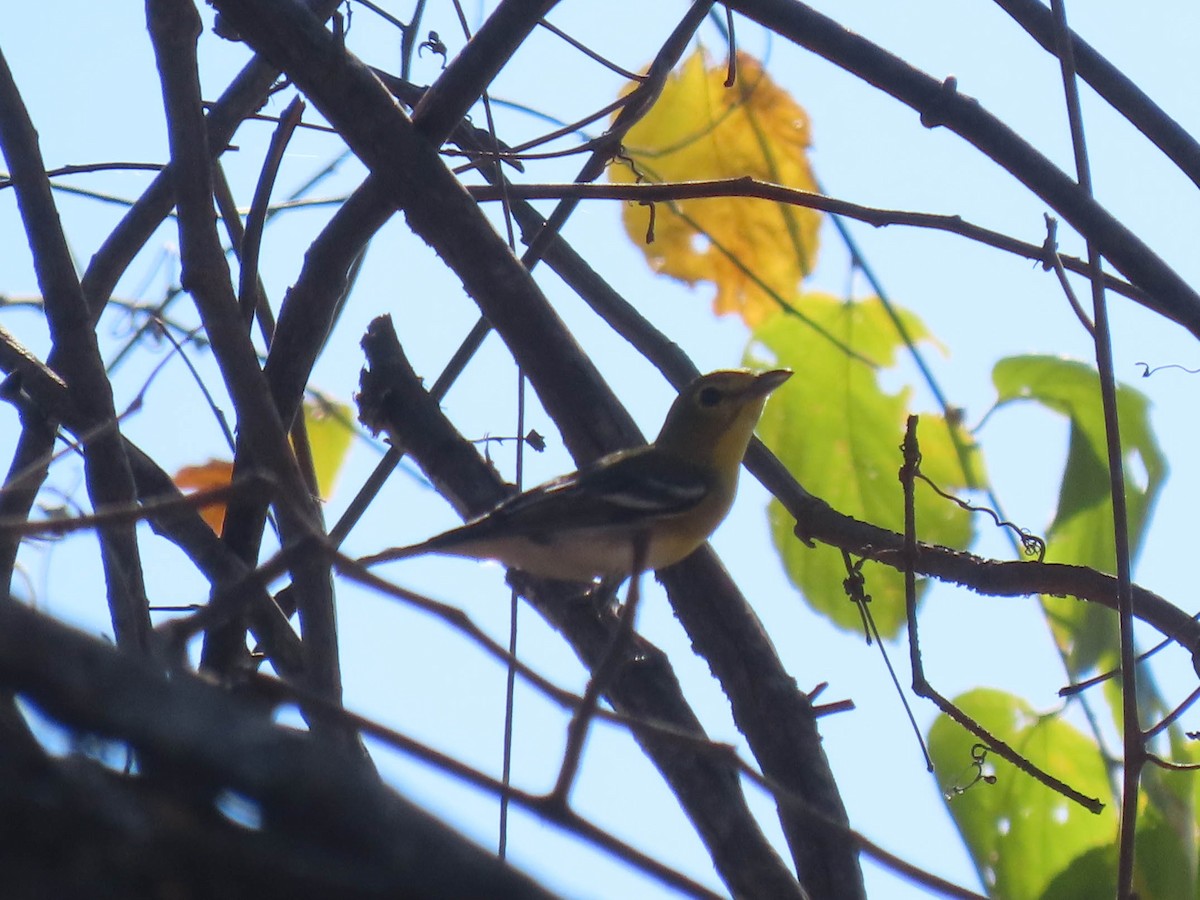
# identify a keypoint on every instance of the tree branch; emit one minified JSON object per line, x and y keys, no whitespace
{"x":392,"y":397}
{"x":322,"y":816}
{"x":747,"y":186}
{"x":1113,"y":85}
{"x":174,"y":27}
{"x":76,"y":357}
{"x":940,"y":103}
{"x":177,"y":523}
{"x":241,"y":99}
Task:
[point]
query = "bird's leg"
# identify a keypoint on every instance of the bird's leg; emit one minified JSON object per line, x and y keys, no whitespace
{"x":602,"y":675}
{"x":602,"y":596}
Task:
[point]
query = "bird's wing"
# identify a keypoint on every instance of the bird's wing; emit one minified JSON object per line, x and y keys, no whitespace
{"x":636,"y":484}
{"x":633,"y":484}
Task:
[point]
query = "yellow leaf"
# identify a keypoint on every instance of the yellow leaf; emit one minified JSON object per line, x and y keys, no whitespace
{"x":329,"y":434}
{"x":755,"y":252}
{"x":213,"y":474}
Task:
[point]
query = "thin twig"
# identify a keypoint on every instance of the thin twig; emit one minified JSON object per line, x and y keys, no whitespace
{"x":136,"y":513}
{"x":921,"y":685}
{"x":589,"y":52}
{"x":6,"y":182}
{"x":249,"y":296}
{"x":1173,"y":715}
{"x":602,"y":675}
{"x":855,"y":585}
{"x":752,"y":187}
{"x":1054,"y":261}
{"x":1134,"y":746}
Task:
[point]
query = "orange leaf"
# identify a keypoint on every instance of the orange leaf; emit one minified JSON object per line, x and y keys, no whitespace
{"x":755,"y":252}
{"x":212,"y":474}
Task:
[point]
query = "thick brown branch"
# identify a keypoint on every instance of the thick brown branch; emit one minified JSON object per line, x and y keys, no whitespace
{"x":322,"y":815}
{"x":392,"y":397}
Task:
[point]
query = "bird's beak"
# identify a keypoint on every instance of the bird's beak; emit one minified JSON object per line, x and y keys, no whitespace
{"x":768,"y":381}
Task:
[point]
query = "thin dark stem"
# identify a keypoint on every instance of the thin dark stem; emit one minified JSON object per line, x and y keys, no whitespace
{"x":855,"y":589}
{"x":93,"y":167}
{"x":408,"y":39}
{"x":1060,"y":272}
{"x":753,"y":187}
{"x":1173,"y":715}
{"x":510,"y":690}
{"x":1080,"y":686}
{"x":602,"y":675}
{"x":514,"y":607}
{"x":921,"y":685}
{"x":1134,"y":745}
{"x":588,"y":51}
{"x":249,"y":296}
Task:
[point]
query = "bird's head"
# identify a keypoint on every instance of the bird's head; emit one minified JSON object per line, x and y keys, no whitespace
{"x":713,"y":418}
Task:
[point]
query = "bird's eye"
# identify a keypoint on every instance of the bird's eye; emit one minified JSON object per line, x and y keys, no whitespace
{"x":710,"y":397}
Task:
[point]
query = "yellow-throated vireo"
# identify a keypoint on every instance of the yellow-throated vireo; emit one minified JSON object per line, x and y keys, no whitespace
{"x":665,"y":498}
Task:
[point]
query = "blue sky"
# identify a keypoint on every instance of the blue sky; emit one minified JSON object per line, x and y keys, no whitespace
{"x":88,"y":76}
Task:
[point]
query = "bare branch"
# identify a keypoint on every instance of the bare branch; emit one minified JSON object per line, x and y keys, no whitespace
{"x":76,"y":357}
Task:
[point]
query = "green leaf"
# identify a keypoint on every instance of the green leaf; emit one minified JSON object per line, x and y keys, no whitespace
{"x":1024,"y":837}
{"x":1086,"y":876}
{"x":839,"y":433}
{"x":1165,"y":861}
{"x":1028,"y":841}
{"x":1161,"y":869}
{"x":1082,"y":531}
{"x":1167,"y":828}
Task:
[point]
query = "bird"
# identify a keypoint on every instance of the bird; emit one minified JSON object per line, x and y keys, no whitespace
{"x":631,"y":511}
